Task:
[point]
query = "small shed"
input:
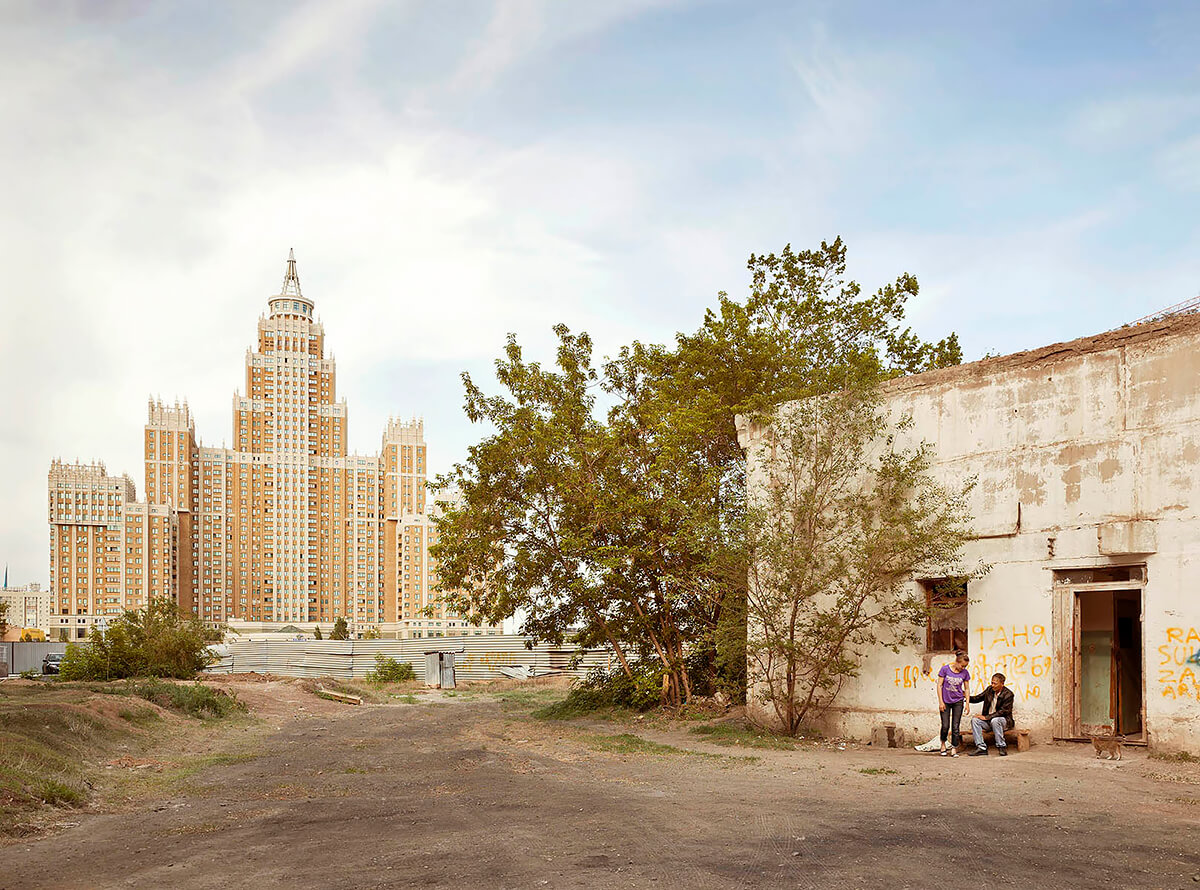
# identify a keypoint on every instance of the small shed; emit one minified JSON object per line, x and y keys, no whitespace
{"x":439,"y":669}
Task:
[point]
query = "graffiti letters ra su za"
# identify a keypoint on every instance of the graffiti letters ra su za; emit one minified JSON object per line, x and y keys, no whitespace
{"x":1179,"y":664}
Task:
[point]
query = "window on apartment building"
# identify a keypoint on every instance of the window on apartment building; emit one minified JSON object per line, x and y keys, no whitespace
{"x":946,"y":626}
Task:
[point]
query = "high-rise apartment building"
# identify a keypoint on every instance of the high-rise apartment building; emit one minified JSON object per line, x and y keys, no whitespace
{"x":284,"y":527}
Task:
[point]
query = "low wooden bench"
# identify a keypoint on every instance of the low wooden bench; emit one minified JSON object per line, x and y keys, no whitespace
{"x":1018,"y":739}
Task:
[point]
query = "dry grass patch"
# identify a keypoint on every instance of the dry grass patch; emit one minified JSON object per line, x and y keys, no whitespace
{"x":742,"y":735}
{"x":63,"y":743}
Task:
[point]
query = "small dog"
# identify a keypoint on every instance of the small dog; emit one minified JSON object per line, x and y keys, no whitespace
{"x":1107,"y":744}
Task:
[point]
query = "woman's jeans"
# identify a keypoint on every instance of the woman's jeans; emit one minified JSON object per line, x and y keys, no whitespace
{"x":951,"y":718}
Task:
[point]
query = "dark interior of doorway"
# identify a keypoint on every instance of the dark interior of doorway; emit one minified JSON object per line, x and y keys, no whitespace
{"x":1111,"y":663}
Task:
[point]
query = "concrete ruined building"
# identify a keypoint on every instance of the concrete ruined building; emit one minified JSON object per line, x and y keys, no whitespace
{"x":1087,"y":507}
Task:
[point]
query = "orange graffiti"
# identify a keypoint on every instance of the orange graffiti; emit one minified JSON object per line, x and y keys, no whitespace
{"x":1176,"y":679}
{"x":1008,"y":636}
{"x":1017,"y":668}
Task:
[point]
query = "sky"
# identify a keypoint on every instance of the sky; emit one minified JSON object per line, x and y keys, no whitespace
{"x":451,"y":172}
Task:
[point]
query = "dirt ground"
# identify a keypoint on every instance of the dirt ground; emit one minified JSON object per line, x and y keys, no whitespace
{"x":469,"y":791}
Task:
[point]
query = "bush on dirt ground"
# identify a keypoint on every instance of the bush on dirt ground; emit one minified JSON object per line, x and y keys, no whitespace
{"x":603,"y":689}
{"x":158,"y":641}
{"x":193,"y":699}
{"x":389,"y":670}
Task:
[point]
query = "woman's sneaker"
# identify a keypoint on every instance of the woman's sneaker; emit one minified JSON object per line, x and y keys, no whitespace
{"x":953,"y":752}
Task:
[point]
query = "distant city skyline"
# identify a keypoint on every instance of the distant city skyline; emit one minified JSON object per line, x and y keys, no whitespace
{"x":285,"y":526}
{"x":448,"y":173}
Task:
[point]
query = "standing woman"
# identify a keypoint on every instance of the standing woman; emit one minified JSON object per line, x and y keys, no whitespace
{"x":952,"y":684}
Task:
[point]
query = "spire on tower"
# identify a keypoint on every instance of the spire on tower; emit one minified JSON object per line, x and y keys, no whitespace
{"x":291,"y":280}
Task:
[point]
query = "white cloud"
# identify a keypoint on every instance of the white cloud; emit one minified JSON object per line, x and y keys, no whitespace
{"x":520,"y":29}
{"x":1179,"y":164}
{"x":847,"y":95}
{"x":152,"y":214}
{"x":1130,"y":120}
{"x":301,"y":41}
{"x":1019,"y":289}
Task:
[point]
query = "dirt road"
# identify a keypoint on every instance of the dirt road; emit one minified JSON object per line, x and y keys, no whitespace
{"x":475,"y":794}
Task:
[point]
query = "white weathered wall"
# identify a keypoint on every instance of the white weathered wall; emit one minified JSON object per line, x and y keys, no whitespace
{"x":1075,"y":444}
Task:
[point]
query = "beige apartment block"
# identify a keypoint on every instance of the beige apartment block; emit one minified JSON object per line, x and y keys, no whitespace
{"x":29,"y":608}
{"x":1086,"y":506}
{"x":87,"y":520}
{"x":284,"y":527}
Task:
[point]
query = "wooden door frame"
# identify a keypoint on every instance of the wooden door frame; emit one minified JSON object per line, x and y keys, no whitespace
{"x":1066,"y":641}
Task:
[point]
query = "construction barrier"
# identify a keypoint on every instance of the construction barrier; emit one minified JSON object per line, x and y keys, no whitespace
{"x":476,"y":658}
{"x":16,"y":657}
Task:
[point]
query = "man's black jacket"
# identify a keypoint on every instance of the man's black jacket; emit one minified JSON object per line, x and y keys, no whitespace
{"x":1003,"y":707}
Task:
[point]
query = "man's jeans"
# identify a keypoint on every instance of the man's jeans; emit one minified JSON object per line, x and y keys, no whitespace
{"x":979,"y":727}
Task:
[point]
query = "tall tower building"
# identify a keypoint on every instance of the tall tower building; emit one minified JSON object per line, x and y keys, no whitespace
{"x":284,"y":527}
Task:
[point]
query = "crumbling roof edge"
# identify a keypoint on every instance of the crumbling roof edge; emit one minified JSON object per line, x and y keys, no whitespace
{"x":1128,"y":335}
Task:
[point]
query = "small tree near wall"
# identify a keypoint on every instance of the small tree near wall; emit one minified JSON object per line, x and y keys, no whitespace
{"x":841,"y":521}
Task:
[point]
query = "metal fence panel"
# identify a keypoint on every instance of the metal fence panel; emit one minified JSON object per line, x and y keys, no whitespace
{"x":28,"y":656}
{"x":476,"y":658}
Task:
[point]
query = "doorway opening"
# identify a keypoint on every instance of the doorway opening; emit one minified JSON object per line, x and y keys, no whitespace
{"x":1110,"y":662}
{"x":1100,"y":683}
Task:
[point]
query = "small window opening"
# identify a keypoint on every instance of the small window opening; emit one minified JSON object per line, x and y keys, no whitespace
{"x":946,"y":627}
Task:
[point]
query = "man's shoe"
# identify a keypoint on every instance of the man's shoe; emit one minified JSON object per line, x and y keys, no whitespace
{"x":979,"y":752}
{"x":1003,"y":751}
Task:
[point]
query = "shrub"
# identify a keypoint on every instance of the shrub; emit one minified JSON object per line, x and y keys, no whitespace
{"x":193,"y":699}
{"x":389,"y":670}
{"x":60,"y":794}
{"x":30,"y":674}
{"x":158,"y":641}
{"x":139,"y":716}
{"x":611,"y":689}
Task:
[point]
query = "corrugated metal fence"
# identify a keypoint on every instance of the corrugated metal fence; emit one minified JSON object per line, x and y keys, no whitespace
{"x":478,"y":658}
{"x":20,"y":657}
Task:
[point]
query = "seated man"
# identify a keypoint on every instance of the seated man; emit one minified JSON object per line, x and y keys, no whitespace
{"x":998,"y":711}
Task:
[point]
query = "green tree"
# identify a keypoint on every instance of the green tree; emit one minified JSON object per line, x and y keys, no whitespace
{"x":317,"y":633}
{"x":841,"y":521}
{"x":3,"y":617}
{"x":630,"y":529}
{"x":340,"y":630}
{"x":157,"y":641}
{"x":805,"y":329}
{"x":522,"y":532}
